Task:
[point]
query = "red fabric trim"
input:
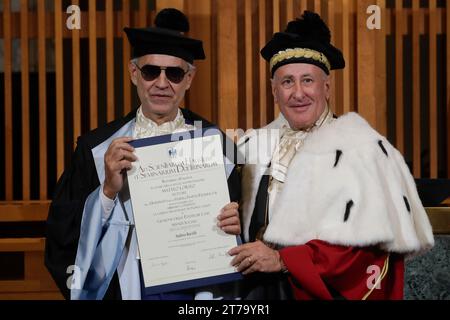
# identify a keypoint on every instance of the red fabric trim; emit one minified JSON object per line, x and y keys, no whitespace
{"x":317,"y":265}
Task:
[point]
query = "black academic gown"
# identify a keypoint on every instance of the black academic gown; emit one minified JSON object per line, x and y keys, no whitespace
{"x":76,"y":183}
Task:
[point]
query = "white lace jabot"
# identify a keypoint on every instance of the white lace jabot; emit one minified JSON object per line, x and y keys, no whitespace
{"x":146,"y":127}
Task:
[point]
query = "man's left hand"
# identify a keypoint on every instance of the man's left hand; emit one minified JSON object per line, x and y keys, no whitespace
{"x":255,"y":257}
{"x":228,"y":219}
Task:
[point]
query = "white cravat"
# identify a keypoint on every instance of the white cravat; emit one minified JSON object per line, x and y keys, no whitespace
{"x":146,"y":127}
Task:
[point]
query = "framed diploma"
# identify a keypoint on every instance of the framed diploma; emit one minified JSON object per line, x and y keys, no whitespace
{"x":177,"y":187}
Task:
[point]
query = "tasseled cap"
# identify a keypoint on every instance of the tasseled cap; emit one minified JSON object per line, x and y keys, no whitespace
{"x":166,"y":37}
{"x":305,"y":40}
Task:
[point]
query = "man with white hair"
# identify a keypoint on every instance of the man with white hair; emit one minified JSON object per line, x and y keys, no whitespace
{"x":329,"y":206}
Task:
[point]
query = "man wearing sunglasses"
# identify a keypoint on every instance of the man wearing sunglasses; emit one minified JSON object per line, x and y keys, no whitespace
{"x":91,"y":246}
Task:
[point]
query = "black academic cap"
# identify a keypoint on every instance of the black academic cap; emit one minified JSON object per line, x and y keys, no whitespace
{"x":306,"y":39}
{"x":166,"y":37}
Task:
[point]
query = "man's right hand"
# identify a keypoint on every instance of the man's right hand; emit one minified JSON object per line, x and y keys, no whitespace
{"x":118,"y":158}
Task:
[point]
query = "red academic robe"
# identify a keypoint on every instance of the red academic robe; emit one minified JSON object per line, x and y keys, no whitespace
{"x":317,"y":266}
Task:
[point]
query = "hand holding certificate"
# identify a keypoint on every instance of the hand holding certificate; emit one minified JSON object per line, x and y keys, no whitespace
{"x":177,"y":189}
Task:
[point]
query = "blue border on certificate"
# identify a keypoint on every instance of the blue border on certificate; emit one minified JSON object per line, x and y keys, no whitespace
{"x":200,"y":282}
{"x":190,"y":284}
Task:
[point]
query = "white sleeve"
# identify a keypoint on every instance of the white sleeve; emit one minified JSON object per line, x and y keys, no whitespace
{"x":107,"y":204}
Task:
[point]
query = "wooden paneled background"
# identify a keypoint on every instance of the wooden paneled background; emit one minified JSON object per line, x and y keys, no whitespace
{"x":56,"y":84}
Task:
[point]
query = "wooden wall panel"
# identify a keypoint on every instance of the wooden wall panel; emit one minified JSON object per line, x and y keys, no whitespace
{"x":232,"y":85}
{"x":143,"y":14}
{"x":291,"y":7}
{"x":317,"y":6}
{"x":177,"y":4}
{"x":59,"y":90}
{"x":76,"y":85}
{"x":201,"y":91}
{"x":432,"y":25}
{"x":227,"y":57}
{"x":263,"y":70}
{"x":366,"y":64}
{"x":110,"y":112}
{"x":25,"y":90}
{"x":329,"y":16}
{"x":19,"y":211}
{"x":276,"y":15}
{"x":346,"y":50}
{"x":303,"y":5}
{"x":400,"y":21}
{"x":8,"y":99}
{"x":93,"y":87}
{"x":338,"y":75}
{"x":147,"y":17}
{"x":416,"y":23}
{"x":250,"y":9}
{"x":126,"y":58}
{"x":42,"y":76}
{"x":380,"y":72}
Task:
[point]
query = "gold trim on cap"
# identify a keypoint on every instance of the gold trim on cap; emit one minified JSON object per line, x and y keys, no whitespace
{"x":299,"y":53}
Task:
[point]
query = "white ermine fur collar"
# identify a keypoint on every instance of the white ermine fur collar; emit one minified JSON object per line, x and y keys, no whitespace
{"x":347,"y":185}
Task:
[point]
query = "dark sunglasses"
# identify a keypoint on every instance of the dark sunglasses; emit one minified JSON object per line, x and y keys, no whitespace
{"x":151,"y":72}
